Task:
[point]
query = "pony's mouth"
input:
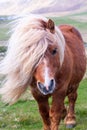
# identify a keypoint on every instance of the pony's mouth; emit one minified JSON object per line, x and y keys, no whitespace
{"x":45,"y":90}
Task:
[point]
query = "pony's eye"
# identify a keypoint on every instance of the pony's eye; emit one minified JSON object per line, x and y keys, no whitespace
{"x":54,"y":51}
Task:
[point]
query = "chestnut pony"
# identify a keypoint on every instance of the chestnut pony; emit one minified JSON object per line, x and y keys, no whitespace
{"x":49,"y":59}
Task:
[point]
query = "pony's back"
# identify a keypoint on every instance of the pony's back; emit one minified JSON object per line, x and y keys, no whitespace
{"x":75,"y":44}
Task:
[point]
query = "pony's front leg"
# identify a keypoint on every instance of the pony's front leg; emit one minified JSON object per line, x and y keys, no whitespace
{"x":56,"y":111}
{"x":43,"y":109}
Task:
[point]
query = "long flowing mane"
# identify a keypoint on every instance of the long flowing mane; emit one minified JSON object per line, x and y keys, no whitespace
{"x":26,"y":48}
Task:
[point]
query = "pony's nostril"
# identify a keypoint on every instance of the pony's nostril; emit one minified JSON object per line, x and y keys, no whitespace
{"x":41,"y":86}
{"x":51,"y":82}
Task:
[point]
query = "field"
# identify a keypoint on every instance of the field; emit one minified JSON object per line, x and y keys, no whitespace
{"x":24,"y":114}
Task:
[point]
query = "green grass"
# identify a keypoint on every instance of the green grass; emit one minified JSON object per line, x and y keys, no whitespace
{"x":3,"y":49}
{"x":4,"y":34}
{"x":79,"y":14}
{"x":4,"y":29}
{"x":24,"y":114}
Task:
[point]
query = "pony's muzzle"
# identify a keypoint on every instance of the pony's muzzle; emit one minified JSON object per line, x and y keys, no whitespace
{"x":46,"y":89}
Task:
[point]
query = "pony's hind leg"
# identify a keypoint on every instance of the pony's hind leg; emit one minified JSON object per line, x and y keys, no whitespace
{"x":70,"y":119}
{"x":64,"y":113}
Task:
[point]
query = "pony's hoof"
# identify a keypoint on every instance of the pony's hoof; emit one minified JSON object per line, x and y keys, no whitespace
{"x":70,"y":121}
{"x":69,"y":126}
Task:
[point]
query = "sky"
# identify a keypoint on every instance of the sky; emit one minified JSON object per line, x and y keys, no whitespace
{"x":36,"y":6}
{"x":2,"y":1}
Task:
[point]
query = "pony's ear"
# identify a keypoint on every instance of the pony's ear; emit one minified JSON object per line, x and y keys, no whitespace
{"x":51,"y":26}
{"x":48,"y":25}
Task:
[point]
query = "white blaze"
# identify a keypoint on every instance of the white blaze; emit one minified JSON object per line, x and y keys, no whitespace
{"x":46,"y":75}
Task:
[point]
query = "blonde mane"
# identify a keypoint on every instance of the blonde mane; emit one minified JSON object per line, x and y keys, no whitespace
{"x":26,"y":48}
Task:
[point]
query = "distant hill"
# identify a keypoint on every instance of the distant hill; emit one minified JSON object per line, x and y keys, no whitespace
{"x":10,"y":7}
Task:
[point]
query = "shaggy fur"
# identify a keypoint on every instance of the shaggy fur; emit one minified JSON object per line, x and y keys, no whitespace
{"x":26,"y":48}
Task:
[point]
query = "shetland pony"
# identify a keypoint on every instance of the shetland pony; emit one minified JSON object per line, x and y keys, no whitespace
{"x":49,"y":59}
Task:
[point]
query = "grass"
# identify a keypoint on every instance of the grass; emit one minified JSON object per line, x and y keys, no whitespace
{"x":79,"y":14}
{"x":4,"y":29}
{"x":24,"y":114}
{"x":3,"y":49}
{"x":4,"y":33}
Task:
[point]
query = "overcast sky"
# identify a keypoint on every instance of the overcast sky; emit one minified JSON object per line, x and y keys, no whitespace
{"x":2,"y":1}
{"x":8,"y":7}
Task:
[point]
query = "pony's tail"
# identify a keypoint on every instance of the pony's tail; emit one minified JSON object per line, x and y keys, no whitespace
{"x":12,"y":90}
